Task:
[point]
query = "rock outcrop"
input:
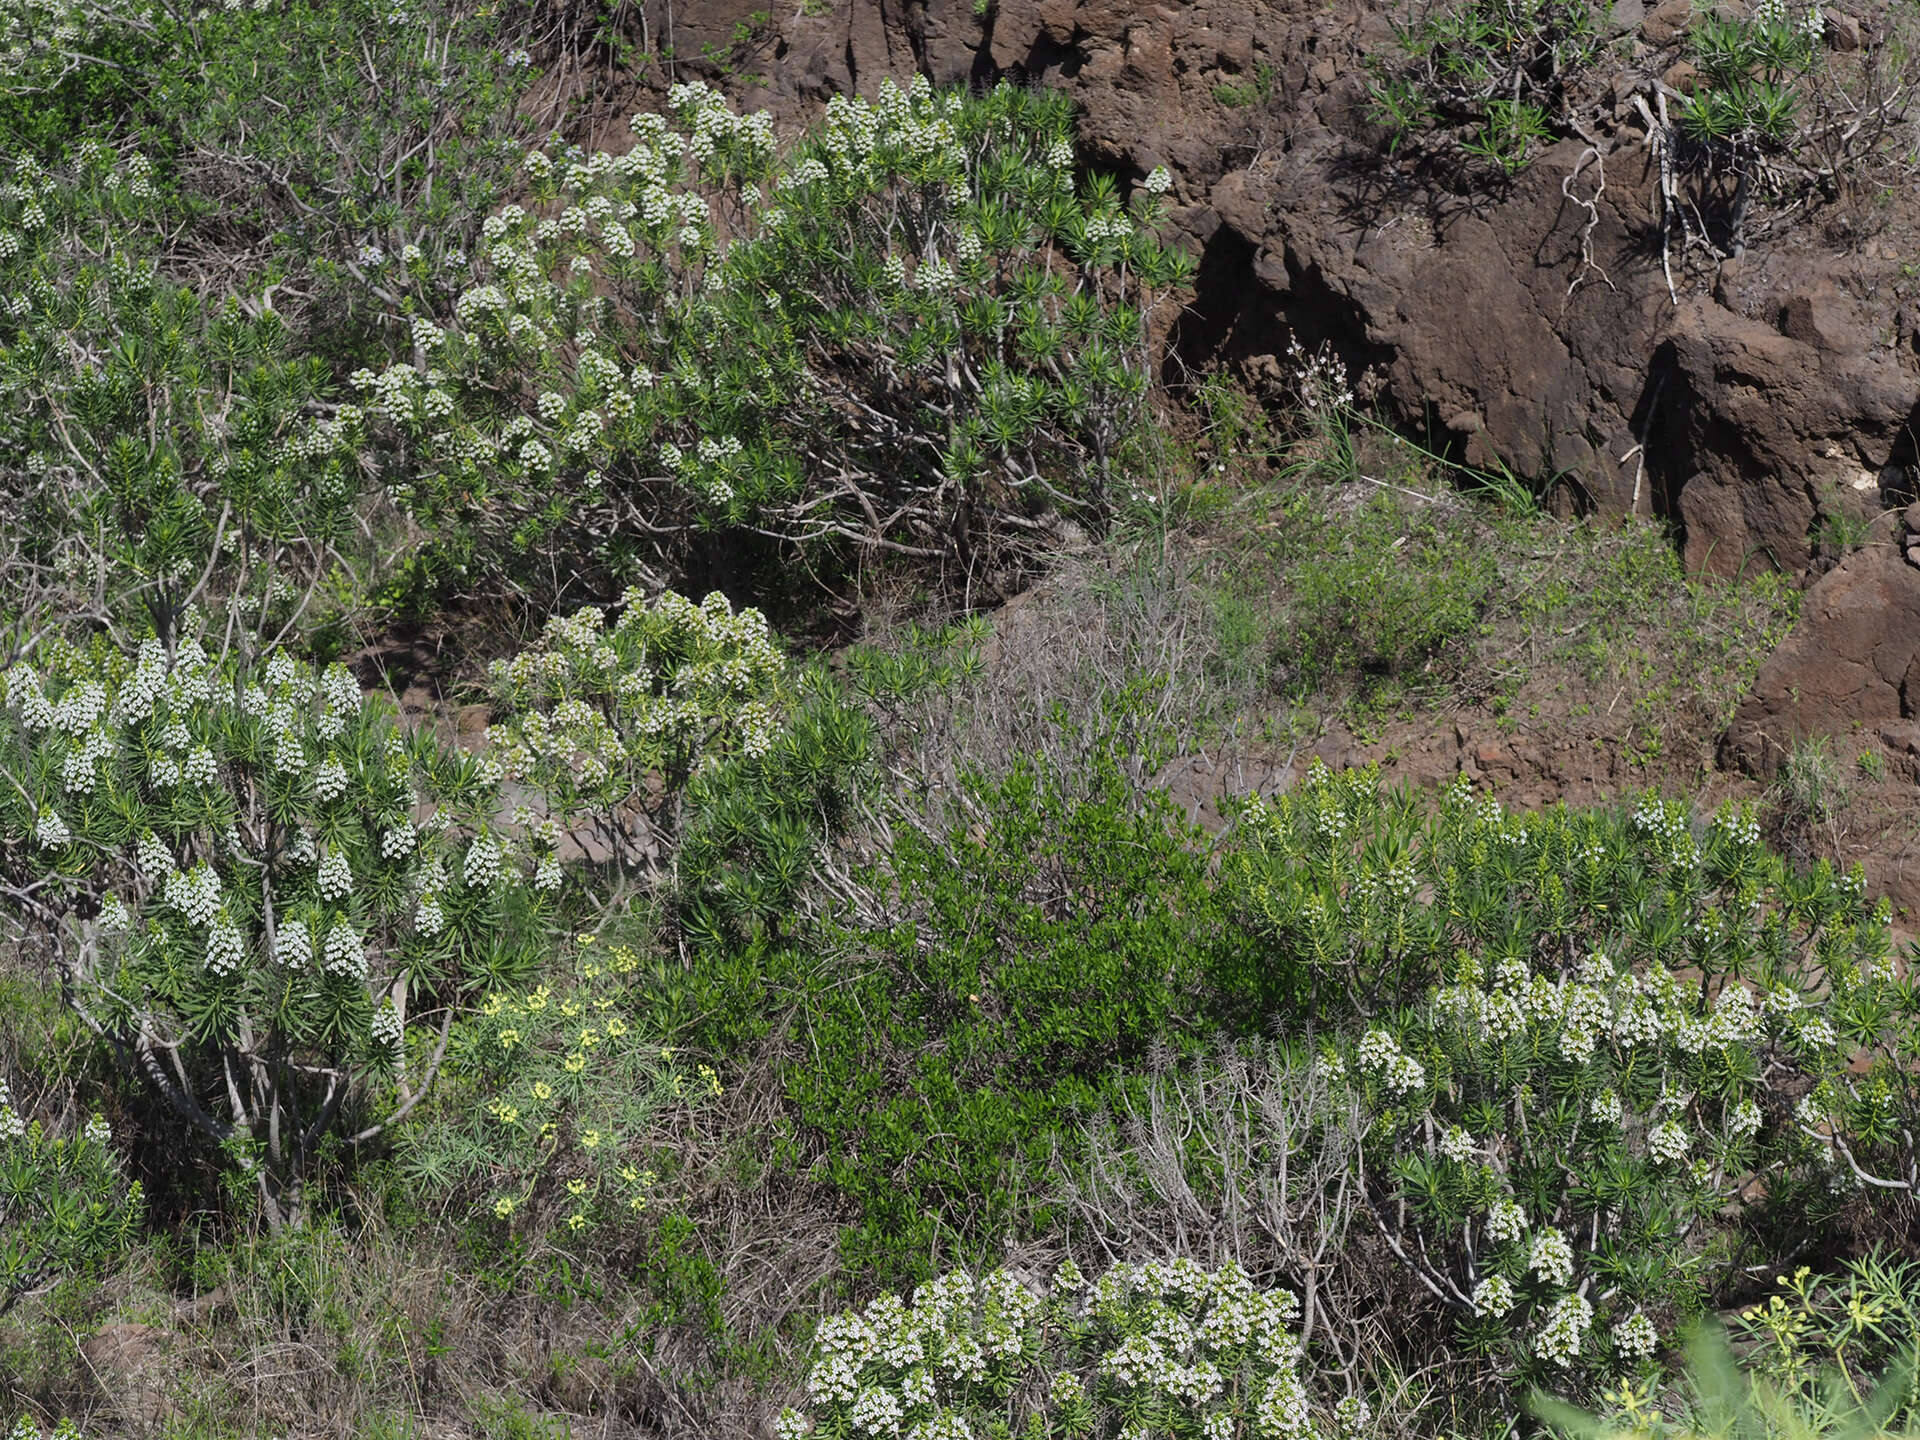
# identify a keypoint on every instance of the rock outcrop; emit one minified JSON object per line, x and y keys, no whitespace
{"x":1851,"y":666}
{"x":1764,"y":404}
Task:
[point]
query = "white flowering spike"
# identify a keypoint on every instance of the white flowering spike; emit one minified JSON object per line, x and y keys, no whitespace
{"x":329,"y":780}
{"x":1634,"y":1337}
{"x":1551,"y":1257}
{"x":335,"y":880}
{"x":386,"y":1028}
{"x":346,"y":954}
{"x":481,"y":869}
{"x":293,"y":945}
{"x":226,"y":951}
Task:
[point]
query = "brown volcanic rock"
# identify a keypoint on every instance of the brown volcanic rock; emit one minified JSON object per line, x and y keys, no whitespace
{"x":1853,"y":662}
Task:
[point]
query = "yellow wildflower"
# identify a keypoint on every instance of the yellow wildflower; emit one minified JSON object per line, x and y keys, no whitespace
{"x":503,"y":1207}
{"x":616,"y":1027}
{"x":584,"y":937}
{"x":591,"y":1139}
{"x":492,"y":1007}
{"x":575,"y":1063}
{"x":592,"y":972}
{"x":509,"y":1039}
{"x":508,"y":1114}
{"x":546,"y":1131}
{"x":666,"y":1053}
{"x":577,"y":1221}
{"x":629,"y":1174}
{"x":638,"y":1202}
{"x":542,"y":1090}
{"x":589,"y":1039}
{"x":576,"y":1187}
{"x":570,"y":1009}
{"x":713,"y":1080}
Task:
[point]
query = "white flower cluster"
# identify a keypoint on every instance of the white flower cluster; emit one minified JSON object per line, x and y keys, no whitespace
{"x":226,"y":949}
{"x":1168,"y":1333}
{"x":1506,"y":1221}
{"x":386,"y":1028}
{"x":605,"y":706}
{"x":1381,"y":1055}
{"x":195,"y":894}
{"x":1668,"y":1142}
{"x":1567,"y":1323}
{"x":293,"y":945}
{"x":335,"y":878}
{"x":1635,"y":1337}
{"x":13,"y":1125}
{"x":346,"y":953}
{"x":1551,"y":1257}
{"x":1493,"y":1296}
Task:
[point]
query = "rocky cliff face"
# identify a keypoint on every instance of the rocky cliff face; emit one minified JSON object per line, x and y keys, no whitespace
{"x":1766,"y":404}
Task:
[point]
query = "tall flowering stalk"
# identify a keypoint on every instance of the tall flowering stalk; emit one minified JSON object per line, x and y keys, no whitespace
{"x":264,"y":896}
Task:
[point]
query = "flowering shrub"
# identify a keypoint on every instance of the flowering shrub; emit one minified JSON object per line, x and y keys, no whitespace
{"x":911,"y":331}
{"x":65,"y":1207}
{"x":254,"y":886}
{"x":153,"y":449}
{"x":1576,"y":1036}
{"x":556,"y":1099}
{"x":612,"y":721}
{"x":1154,"y":1349}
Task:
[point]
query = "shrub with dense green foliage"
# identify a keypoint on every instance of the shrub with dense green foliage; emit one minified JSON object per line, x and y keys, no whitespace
{"x":1580,"y":1039}
{"x":913,"y":332}
{"x":255,"y":887}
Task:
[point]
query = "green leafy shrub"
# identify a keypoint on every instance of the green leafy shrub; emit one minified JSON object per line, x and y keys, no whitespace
{"x":1170,"y":1349}
{"x":1009,"y":962}
{"x":1577,"y":1037}
{"x":911,"y":332}
{"x":255,"y":887}
{"x":66,"y":1208}
{"x":756,"y":824}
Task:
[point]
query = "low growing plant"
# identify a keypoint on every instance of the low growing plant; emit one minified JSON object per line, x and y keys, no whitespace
{"x":66,"y":1208}
{"x":1153,"y":1349}
{"x":556,"y":1101}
